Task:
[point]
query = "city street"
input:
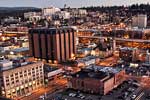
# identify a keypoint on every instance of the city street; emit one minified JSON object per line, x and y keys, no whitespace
{"x":58,"y":84}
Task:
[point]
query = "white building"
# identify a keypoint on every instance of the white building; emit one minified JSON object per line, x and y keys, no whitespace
{"x":5,"y":64}
{"x":139,"y":21}
{"x":52,"y":73}
{"x":61,"y":15}
{"x":49,"y":11}
{"x":148,"y":57}
{"x":78,"y":12}
{"x":64,"y":14}
{"x":86,"y":61}
{"x":33,"y":16}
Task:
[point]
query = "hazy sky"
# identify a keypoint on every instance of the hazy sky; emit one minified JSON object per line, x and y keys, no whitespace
{"x":71,"y":3}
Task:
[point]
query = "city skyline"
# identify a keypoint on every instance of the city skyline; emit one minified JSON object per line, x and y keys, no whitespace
{"x":71,"y":3}
{"x":74,"y":49}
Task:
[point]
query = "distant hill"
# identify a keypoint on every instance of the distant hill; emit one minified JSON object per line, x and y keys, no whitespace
{"x":18,"y":8}
{"x":16,"y":11}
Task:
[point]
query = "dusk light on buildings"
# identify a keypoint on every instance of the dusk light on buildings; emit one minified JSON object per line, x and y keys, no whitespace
{"x":74,"y":50}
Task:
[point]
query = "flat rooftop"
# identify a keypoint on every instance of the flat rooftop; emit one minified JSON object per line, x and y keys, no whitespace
{"x":22,"y":49}
{"x":87,"y":58}
{"x":48,"y":68}
{"x":112,"y":70}
{"x":127,"y":48}
{"x":14,"y":65}
{"x":44,"y":30}
{"x":89,"y":73}
{"x":97,"y":72}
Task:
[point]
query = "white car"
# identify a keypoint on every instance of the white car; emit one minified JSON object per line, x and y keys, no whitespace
{"x":73,"y":95}
{"x":133,"y":96}
{"x":70,"y":94}
{"x":82,"y":97}
{"x":28,"y":94}
{"x":41,"y":97}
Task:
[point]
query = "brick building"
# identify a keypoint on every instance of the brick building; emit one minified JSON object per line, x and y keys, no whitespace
{"x":97,"y":80}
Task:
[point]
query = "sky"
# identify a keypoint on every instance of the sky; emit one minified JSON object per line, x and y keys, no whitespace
{"x":71,"y":3}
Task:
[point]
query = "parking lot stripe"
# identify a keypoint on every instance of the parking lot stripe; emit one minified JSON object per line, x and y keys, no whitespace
{"x":140,"y":96}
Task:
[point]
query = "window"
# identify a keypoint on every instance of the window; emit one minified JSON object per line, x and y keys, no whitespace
{"x":12,"y":82}
{"x":7,"y":77}
{"x":41,"y":70}
{"x":25,"y":74}
{"x":7,"y":80}
{"x":12,"y":79}
{"x":25,"y":71}
{"x":33,"y":72}
{"x":37,"y":74}
{"x":11,"y":75}
{"x":29,"y":73}
{"x":17,"y":81}
{"x":21,"y":75}
{"x":16,"y":74}
{"x":7,"y":84}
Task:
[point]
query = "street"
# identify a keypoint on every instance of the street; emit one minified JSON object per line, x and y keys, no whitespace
{"x":58,"y":84}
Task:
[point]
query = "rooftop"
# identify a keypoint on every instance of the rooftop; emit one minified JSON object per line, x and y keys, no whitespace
{"x":84,"y":49}
{"x":97,"y":72}
{"x":16,"y":63}
{"x":105,"y":69}
{"x":87,"y":58}
{"x":89,"y":73}
{"x":127,"y":48}
{"x":45,"y":29}
{"x":20,"y":49}
{"x":48,"y":68}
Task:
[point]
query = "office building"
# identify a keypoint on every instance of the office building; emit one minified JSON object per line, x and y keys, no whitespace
{"x":20,"y":78}
{"x":52,"y":44}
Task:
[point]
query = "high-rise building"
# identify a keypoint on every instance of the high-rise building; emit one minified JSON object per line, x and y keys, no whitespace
{"x":139,"y":21}
{"x":52,"y":44}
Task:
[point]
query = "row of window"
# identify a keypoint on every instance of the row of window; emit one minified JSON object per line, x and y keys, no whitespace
{"x":23,"y":81}
{"x":26,"y":74}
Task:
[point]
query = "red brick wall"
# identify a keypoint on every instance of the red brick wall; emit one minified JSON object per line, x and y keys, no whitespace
{"x":119,"y":77}
{"x":108,"y":85}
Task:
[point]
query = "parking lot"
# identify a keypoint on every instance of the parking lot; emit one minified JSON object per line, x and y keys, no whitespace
{"x":138,"y":71}
{"x":128,"y":90}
